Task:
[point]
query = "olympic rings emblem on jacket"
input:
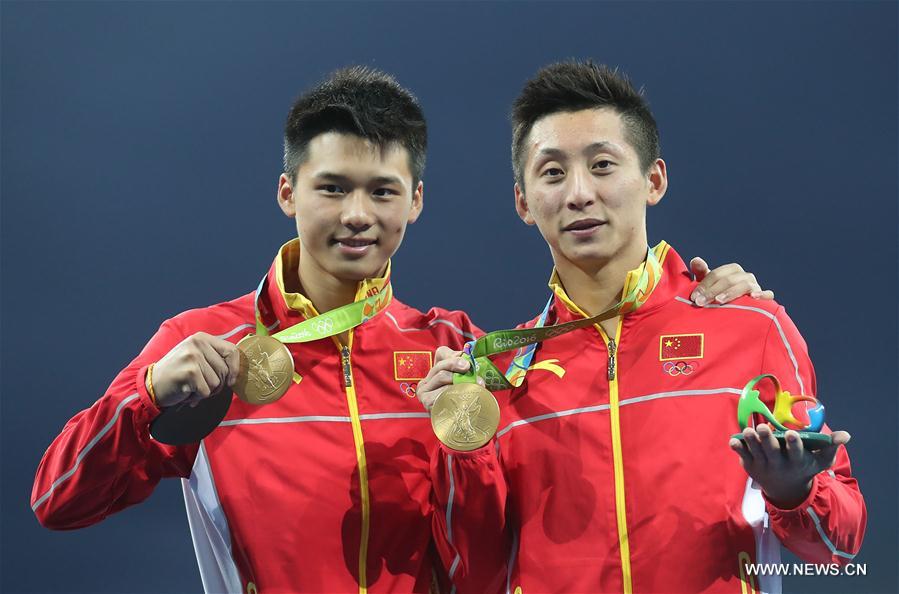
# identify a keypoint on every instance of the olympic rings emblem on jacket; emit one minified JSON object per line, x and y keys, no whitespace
{"x":678,"y":368}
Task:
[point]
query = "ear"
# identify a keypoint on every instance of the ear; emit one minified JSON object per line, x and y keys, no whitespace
{"x":417,"y":203}
{"x":285,"y":196}
{"x":521,"y":206}
{"x":658,"y":182}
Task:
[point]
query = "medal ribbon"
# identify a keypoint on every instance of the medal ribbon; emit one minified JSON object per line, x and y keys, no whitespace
{"x":638,"y":286}
{"x":331,"y":323}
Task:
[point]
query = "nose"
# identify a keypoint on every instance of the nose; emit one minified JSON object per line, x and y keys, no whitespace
{"x":356,"y":213}
{"x":581,"y":193}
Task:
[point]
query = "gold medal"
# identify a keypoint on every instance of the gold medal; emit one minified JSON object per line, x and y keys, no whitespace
{"x":266,"y":369}
{"x":465,"y":416}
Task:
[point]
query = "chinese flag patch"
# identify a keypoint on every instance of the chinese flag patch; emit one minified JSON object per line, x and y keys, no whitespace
{"x":411,"y":365}
{"x":676,"y":347}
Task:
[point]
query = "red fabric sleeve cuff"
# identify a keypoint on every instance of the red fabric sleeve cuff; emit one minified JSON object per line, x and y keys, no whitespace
{"x":485,"y":451}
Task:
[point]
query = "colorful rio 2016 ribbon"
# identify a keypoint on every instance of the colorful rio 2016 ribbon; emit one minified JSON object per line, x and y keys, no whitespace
{"x":750,"y":402}
{"x":638,"y":286}
{"x":465,"y":415}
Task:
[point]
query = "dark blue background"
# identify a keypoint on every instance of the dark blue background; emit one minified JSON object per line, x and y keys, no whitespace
{"x":141,"y":144}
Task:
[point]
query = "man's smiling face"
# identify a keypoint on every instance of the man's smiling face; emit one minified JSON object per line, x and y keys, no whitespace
{"x":585,"y":188}
{"x":352,"y":201}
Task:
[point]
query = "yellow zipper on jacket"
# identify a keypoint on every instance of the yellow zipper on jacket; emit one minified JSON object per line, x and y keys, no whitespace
{"x":747,"y":580}
{"x":661,"y":252}
{"x":360,"y":457}
{"x":617,"y":459}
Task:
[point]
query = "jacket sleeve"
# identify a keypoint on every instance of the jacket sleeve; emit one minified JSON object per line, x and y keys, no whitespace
{"x":470,"y":525}
{"x":828,"y":527}
{"x":104,"y":459}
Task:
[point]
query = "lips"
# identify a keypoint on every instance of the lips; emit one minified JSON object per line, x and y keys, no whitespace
{"x":354,"y":247}
{"x":356,"y":242}
{"x":583,"y":225}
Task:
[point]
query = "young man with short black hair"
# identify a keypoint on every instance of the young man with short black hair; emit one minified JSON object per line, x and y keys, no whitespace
{"x":326,"y":489}
{"x":613,"y":473}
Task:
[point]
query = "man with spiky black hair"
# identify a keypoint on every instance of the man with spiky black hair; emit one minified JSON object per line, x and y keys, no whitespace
{"x":615,"y":472}
{"x":326,"y":489}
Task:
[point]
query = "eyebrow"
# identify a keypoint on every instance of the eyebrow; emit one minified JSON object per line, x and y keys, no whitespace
{"x":589,"y":149}
{"x":381,"y":180}
{"x":385,"y":180}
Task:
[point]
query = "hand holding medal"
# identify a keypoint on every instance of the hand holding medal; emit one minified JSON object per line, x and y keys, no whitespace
{"x":191,"y":385}
{"x":465,"y":415}
{"x":199,"y":373}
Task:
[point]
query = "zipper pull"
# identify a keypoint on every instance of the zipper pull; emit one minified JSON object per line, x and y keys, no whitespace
{"x":347,"y":378}
{"x":611,"y":365}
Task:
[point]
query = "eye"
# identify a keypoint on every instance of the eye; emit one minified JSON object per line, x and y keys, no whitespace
{"x":385,"y":193}
{"x":552,"y":172}
{"x":330,"y":189}
{"x":603,"y":164}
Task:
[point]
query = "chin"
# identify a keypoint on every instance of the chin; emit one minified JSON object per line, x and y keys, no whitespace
{"x":358,"y":271}
{"x":589,"y":256}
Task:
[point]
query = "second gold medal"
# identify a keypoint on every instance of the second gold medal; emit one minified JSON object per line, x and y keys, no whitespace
{"x":465,"y":416}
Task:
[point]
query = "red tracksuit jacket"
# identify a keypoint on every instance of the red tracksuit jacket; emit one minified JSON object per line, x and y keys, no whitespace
{"x":325,"y":490}
{"x":611,"y":471}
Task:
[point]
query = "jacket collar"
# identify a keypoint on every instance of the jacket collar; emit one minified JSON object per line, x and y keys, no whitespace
{"x":660,"y":289}
{"x":288,"y":306}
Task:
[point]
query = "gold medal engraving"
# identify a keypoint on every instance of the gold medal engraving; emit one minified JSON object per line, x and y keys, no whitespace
{"x":465,"y":417}
{"x":266,"y":370}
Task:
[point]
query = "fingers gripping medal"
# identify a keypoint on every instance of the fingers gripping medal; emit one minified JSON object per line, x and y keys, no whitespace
{"x":264,"y":361}
{"x":266,"y":368}
{"x":466,"y":415}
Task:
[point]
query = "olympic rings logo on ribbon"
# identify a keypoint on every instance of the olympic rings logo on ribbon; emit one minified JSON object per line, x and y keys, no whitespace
{"x":492,"y":380}
{"x":408,"y":389}
{"x":679,"y":368}
{"x":324,"y":325}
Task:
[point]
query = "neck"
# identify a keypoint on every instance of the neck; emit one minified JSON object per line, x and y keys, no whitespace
{"x":597,"y":286}
{"x":325,"y":291}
